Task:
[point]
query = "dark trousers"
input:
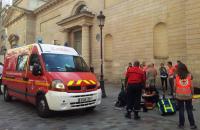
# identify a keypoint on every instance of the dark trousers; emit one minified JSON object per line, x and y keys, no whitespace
{"x":164,"y":83}
{"x":182,"y":104}
{"x":171,"y":83}
{"x":134,"y":92}
{"x":0,"y":85}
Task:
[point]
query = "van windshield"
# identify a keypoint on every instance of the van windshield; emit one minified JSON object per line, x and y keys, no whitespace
{"x":64,"y":63}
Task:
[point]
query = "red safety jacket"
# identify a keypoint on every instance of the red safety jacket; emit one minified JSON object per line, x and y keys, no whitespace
{"x":135,"y":75}
{"x":171,"y":71}
{"x":183,"y":87}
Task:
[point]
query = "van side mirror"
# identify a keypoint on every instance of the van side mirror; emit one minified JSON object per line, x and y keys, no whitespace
{"x":37,"y":70}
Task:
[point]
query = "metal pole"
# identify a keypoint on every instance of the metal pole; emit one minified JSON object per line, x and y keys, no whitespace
{"x":101,"y":77}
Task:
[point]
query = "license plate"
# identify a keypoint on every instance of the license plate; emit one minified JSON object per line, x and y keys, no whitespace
{"x":85,"y":99}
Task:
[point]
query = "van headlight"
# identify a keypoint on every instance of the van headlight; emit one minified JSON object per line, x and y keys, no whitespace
{"x":57,"y":84}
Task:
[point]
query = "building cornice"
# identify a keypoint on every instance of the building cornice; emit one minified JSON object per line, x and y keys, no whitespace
{"x":9,"y":12}
{"x":14,"y":20}
{"x":75,"y":17}
{"x":76,"y":21}
{"x":17,"y":2}
{"x":21,"y":9}
{"x":47,"y":6}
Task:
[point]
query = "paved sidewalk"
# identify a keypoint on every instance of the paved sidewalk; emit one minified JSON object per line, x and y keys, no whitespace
{"x":21,"y":116}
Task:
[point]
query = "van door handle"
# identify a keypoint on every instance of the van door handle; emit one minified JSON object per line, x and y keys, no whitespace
{"x":25,"y":78}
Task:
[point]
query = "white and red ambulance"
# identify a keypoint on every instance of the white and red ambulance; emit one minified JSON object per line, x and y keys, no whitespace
{"x":52,"y":77}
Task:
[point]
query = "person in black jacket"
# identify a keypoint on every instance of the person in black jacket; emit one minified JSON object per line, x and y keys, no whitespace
{"x":163,"y":77}
{"x":1,"y":71}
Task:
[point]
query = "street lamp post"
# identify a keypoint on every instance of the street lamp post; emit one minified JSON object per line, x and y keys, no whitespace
{"x":101,"y":20}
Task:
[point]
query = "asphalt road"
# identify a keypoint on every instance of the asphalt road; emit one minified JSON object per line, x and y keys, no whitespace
{"x":18,"y":115}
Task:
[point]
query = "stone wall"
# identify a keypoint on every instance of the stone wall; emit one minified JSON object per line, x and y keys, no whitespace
{"x":30,"y":29}
{"x":19,"y":28}
{"x":46,"y":20}
{"x":131,"y":23}
{"x":132,"y":26}
{"x":193,"y":38}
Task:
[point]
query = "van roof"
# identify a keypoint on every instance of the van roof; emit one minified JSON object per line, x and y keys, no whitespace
{"x":57,"y":49}
{"x":47,"y":48}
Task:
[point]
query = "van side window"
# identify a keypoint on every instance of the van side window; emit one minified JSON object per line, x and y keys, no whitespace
{"x":12,"y":62}
{"x":21,"y":62}
{"x":34,"y":59}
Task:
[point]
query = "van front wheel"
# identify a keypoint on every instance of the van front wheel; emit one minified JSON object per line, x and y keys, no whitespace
{"x":7,"y":97}
{"x":42,"y":107}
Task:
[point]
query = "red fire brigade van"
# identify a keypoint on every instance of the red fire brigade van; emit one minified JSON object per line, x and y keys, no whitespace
{"x":53,"y":78}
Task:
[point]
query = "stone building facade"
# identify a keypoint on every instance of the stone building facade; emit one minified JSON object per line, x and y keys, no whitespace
{"x":148,"y":30}
{"x":2,"y":36}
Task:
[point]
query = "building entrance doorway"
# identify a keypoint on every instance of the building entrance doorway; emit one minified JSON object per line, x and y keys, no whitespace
{"x":77,"y":36}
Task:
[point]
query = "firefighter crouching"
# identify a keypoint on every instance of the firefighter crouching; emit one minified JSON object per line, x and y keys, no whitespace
{"x":135,"y":81}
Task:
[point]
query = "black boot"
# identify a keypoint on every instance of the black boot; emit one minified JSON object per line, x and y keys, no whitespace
{"x":163,"y":96}
{"x":128,"y":115}
{"x":145,"y":109}
{"x":136,"y":116}
{"x":193,"y":127}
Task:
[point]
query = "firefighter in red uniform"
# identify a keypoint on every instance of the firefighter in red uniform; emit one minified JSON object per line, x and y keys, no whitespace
{"x":171,"y":72}
{"x":135,"y":81}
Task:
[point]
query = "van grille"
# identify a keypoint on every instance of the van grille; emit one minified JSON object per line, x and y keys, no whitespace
{"x":74,"y":87}
{"x":81,"y":104}
{"x":88,"y":95}
{"x":91,"y":87}
{"x":79,"y":88}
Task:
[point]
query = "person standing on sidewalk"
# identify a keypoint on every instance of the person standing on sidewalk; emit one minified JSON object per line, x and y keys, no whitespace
{"x":155,"y":72}
{"x":1,"y":71}
{"x":163,"y":77}
{"x":135,"y":81}
{"x":151,"y":76}
{"x":129,"y":65}
{"x":176,"y":65}
{"x":171,"y":71}
{"x":143,"y":66}
{"x":184,"y":92}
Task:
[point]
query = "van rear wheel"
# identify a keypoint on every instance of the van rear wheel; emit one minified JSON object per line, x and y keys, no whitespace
{"x":42,"y":107}
{"x":7,"y":97}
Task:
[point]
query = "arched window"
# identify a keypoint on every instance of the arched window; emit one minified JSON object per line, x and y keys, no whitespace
{"x":160,"y":41}
{"x":81,"y":9}
{"x":108,"y":47}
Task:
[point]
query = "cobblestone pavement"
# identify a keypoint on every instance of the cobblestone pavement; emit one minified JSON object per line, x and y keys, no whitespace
{"x":22,"y":116}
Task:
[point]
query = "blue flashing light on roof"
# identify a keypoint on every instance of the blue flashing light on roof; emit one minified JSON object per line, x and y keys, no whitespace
{"x":39,"y":40}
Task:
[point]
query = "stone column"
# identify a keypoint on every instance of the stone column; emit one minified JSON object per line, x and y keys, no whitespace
{"x":85,"y":44}
{"x":67,"y":38}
